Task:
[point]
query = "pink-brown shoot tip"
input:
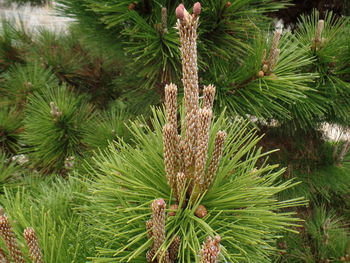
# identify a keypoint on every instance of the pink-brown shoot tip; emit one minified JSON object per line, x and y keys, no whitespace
{"x":180,"y":11}
{"x":197,"y":8}
{"x":160,"y":202}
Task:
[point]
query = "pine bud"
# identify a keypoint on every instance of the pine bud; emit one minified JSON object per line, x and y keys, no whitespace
{"x":180,"y":11}
{"x":174,"y":248}
{"x":214,"y":163}
{"x":170,"y":154}
{"x":55,"y":111}
{"x":276,"y":39}
{"x":263,"y":60}
{"x":8,"y":235}
{"x":180,"y":185}
{"x":210,"y":250}
{"x":202,"y":144}
{"x":228,"y":4}
{"x":180,"y":154}
{"x":274,"y":59}
{"x":150,"y":255}
{"x":261,"y":74}
{"x":197,"y":9}
{"x":149,"y":228}
{"x":265,"y":67}
{"x":69,"y":163}
{"x":201,"y":211}
{"x":173,"y":209}
{"x":319,"y":30}
{"x":187,"y":28}
{"x":164,"y":20}
{"x":274,"y":52}
{"x":33,"y":245}
{"x":131,"y":6}
{"x":158,"y":218}
{"x":209,"y":95}
{"x":171,"y":104}
{"x":3,"y":257}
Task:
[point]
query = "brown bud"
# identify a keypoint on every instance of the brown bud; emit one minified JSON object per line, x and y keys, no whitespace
{"x":261,"y":74}
{"x":342,"y":259}
{"x":173,"y":209}
{"x":131,"y":6}
{"x":160,"y":203}
{"x":197,"y":9}
{"x":180,"y":11}
{"x":282,"y":245}
{"x":201,"y":211}
{"x":228,"y":4}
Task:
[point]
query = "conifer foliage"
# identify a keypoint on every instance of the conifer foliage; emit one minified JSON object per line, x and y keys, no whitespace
{"x":193,"y":182}
{"x":52,"y":127}
{"x":185,"y":197}
{"x":227,"y":45}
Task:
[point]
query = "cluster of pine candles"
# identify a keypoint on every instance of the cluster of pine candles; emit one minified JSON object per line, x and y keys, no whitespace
{"x":186,"y":155}
{"x":189,"y":170}
{"x":8,"y":235}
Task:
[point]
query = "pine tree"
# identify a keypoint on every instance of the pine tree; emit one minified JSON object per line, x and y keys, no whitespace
{"x":232,"y":40}
{"x":210,"y":189}
{"x":174,"y":200}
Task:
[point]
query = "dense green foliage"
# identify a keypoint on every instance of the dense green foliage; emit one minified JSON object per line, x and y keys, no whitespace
{"x":55,"y":134}
{"x":47,"y":206}
{"x":10,"y":124}
{"x":225,"y":44}
{"x":241,"y":203}
{"x":75,"y":168}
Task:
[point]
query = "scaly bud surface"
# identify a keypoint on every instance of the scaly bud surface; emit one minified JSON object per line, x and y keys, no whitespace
{"x":210,"y":250}
{"x":33,"y":245}
{"x":8,"y":236}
